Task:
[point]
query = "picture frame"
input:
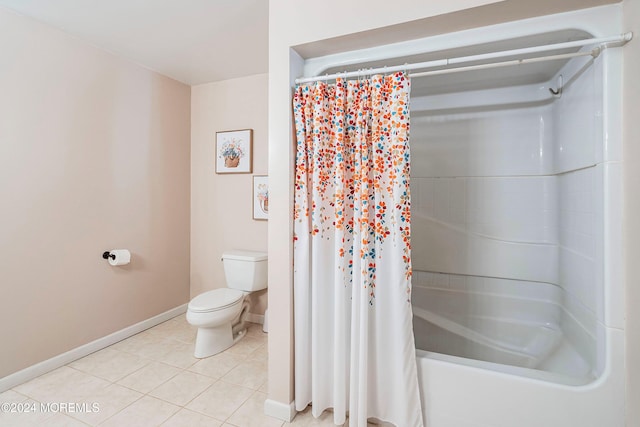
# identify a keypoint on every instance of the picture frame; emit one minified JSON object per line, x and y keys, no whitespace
{"x":234,"y":151}
{"x":260,"y":203}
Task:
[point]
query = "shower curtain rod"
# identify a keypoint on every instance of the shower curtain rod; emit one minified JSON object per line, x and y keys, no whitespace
{"x":601,"y":42}
{"x":594,"y":53}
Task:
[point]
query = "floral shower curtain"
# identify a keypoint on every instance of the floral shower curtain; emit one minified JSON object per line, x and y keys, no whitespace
{"x":354,"y":345}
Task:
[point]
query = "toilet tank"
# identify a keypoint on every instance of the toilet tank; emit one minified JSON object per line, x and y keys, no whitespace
{"x":245,"y":270}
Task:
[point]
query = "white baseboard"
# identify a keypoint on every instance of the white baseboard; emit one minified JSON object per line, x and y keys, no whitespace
{"x":255,"y":318}
{"x":279,"y":410}
{"x":55,"y":362}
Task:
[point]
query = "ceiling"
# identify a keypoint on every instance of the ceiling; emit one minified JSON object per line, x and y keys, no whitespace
{"x":193,"y":41}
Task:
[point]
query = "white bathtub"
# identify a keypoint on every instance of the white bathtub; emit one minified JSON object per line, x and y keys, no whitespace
{"x":519,"y":324}
{"x":460,"y":392}
{"x":499,"y":358}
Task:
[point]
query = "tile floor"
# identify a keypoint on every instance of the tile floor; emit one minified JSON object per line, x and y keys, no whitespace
{"x":152,"y":379}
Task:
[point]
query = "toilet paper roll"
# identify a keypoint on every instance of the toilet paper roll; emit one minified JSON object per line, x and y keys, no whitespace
{"x":122,"y":257}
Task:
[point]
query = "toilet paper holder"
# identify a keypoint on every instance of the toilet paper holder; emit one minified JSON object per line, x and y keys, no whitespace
{"x":117,"y":257}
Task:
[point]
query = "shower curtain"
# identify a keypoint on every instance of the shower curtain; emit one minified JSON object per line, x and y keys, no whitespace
{"x":354,"y":345}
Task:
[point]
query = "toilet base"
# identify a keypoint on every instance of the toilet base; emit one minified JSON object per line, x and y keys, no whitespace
{"x":211,"y":341}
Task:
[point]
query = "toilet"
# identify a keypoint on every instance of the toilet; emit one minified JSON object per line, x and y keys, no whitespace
{"x":220,"y":314}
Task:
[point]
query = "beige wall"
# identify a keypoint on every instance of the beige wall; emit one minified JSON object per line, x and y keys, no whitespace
{"x":314,"y":30}
{"x":631,"y":147}
{"x":94,"y":155}
{"x":303,"y":22}
{"x":221,"y":204}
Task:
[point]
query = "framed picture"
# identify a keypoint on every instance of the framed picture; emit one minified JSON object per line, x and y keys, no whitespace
{"x":234,"y":151}
{"x":260,"y":197}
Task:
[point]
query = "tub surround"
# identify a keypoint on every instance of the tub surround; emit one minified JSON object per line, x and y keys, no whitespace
{"x":516,"y":228}
{"x":511,"y":191}
{"x":631,"y":224}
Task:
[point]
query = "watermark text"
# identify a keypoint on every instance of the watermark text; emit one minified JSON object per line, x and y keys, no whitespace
{"x":49,"y":407}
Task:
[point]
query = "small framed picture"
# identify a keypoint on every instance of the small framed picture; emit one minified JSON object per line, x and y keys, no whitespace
{"x":234,"y":151}
{"x":260,"y":197}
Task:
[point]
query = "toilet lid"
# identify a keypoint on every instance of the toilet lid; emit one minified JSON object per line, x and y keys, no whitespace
{"x":216,"y":299}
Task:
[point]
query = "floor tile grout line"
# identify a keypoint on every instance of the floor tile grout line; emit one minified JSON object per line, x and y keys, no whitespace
{"x":116,"y":413}
{"x":240,"y":406}
{"x":137,"y":391}
{"x":200,"y":412}
{"x":167,"y":336}
{"x":106,"y":379}
{"x":185,"y":405}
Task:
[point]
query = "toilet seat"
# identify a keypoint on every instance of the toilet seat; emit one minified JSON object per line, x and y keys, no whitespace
{"x":217,"y":299}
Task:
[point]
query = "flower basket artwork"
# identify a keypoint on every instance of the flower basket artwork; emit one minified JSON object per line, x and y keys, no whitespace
{"x":260,"y":197}
{"x":234,"y":151}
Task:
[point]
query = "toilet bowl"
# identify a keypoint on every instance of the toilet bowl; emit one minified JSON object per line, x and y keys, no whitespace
{"x":213,"y":313}
{"x":220,"y":314}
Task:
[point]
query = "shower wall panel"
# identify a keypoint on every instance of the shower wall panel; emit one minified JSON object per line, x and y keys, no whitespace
{"x":515,"y":191}
{"x":502,"y":142}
